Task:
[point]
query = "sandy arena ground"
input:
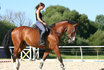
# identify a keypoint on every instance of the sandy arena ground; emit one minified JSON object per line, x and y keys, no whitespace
{"x":53,"y":65}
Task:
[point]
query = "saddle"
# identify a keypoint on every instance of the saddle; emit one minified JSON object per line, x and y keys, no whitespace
{"x":47,"y":30}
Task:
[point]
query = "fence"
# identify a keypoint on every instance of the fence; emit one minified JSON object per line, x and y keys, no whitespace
{"x":82,"y":50}
{"x":32,"y":53}
{"x":28,"y":53}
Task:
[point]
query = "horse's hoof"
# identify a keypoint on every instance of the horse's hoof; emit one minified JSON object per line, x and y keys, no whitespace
{"x":41,"y":65}
{"x":63,"y":69}
{"x":62,"y":66}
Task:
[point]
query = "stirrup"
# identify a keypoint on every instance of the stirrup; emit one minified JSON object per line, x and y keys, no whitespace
{"x":42,"y":43}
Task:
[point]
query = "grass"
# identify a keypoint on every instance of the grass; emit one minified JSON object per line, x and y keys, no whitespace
{"x":53,"y":56}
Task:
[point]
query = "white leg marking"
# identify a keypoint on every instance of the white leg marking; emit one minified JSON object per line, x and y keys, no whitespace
{"x":16,"y":64}
{"x":73,"y":38}
{"x":41,"y":64}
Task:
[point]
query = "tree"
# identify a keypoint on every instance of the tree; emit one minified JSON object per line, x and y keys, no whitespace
{"x":73,"y":15}
{"x":54,"y":14}
{"x":97,"y":38}
{"x":8,"y":16}
{"x":4,"y":27}
{"x":100,"y":20}
{"x":86,"y":27}
{"x":0,"y":14}
{"x":18,"y":18}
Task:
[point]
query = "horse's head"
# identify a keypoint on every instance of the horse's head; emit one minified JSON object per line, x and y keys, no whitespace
{"x":71,"y":31}
{"x":66,"y":26}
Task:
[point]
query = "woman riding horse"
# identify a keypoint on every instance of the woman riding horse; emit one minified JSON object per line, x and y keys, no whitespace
{"x":26,"y":36}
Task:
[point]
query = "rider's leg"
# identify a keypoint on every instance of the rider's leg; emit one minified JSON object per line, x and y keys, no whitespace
{"x":42,"y":28}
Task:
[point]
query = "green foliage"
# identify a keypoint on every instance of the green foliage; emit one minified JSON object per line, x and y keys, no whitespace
{"x":86,"y":28}
{"x":55,"y":14}
{"x":97,"y":38}
{"x":4,"y":27}
{"x":81,"y":41}
{"x":73,"y":15}
{"x":64,"y":40}
{"x":100,"y":21}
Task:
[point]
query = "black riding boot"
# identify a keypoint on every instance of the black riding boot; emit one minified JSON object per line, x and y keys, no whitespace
{"x":42,"y":40}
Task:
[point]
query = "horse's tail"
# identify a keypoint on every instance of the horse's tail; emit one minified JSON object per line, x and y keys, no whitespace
{"x":6,"y":43}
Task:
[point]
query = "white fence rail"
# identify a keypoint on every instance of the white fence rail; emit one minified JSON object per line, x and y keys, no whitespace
{"x":28,"y":53}
{"x":81,"y":50}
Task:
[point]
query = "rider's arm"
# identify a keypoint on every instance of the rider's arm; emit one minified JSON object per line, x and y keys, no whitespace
{"x":38,"y":17}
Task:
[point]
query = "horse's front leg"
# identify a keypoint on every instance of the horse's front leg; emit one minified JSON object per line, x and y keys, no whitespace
{"x":61,"y":61}
{"x":57,"y":52}
{"x":44,"y":57}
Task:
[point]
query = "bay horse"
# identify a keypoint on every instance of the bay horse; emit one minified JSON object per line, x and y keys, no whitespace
{"x":26,"y":36}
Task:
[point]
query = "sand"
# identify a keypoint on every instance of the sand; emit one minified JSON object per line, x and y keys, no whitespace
{"x":53,"y":65}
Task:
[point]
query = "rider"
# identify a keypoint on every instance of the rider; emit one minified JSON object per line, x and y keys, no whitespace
{"x":40,"y":23}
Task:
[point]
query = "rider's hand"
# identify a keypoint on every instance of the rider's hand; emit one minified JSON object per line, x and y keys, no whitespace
{"x":45,"y":24}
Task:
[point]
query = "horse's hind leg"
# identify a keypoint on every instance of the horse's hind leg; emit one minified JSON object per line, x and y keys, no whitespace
{"x":15,"y":58}
{"x":16,"y":55}
{"x":57,"y":52}
{"x":44,"y":57}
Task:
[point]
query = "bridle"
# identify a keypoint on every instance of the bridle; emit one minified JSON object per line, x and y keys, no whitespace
{"x":72,"y":31}
{"x":60,"y":33}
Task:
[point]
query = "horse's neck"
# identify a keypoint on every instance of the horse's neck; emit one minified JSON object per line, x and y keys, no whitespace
{"x":60,"y":29}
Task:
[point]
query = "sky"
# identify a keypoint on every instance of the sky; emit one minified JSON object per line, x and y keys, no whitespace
{"x":91,"y":8}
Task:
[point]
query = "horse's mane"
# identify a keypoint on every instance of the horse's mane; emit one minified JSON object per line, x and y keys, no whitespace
{"x":69,"y":21}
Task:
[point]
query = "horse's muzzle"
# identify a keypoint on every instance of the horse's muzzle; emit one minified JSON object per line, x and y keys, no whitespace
{"x":71,"y":40}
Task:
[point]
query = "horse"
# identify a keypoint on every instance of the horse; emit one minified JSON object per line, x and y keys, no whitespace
{"x":27,"y":36}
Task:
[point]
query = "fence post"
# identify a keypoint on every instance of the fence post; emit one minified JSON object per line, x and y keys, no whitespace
{"x":97,"y":54}
{"x":81,"y":53}
{"x":35,"y":53}
{"x":21,"y":55}
{"x":38,"y":53}
{"x":30,"y":53}
{"x":11,"y":52}
{"x":76,"y":54}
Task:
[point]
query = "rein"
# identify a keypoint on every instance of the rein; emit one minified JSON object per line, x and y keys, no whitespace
{"x":52,"y":29}
{"x":73,"y":28}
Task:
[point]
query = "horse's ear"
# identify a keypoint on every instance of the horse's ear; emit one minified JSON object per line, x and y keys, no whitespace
{"x":76,"y":24}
